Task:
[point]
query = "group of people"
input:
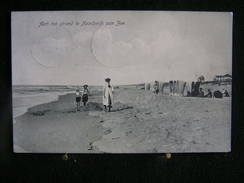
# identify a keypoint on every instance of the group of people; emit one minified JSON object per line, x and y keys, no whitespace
{"x":107,"y":97}
{"x":195,"y":90}
{"x":82,"y":95}
{"x":216,"y":94}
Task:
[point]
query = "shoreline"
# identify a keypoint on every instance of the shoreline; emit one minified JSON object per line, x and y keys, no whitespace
{"x":43,"y":110}
{"x":47,"y":97}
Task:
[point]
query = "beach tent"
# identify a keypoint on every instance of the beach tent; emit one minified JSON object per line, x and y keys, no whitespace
{"x":179,"y":87}
{"x":170,"y":87}
{"x":163,"y":87}
{"x":151,"y":85}
{"x":187,"y":88}
{"x":161,"y":84}
{"x":147,"y":86}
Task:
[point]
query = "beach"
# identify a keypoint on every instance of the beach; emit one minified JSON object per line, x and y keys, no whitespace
{"x":140,"y":122}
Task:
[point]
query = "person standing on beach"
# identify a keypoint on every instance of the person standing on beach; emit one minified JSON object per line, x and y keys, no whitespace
{"x":77,"y":99}
{"x":197,"y":86}
{"x":85,"y":93}
{"x":201,"y":93}
{"x":107,"y":95}
{"x":174,"y":88}
{"x":193,"y":89}
{"x":170,"y":88}
{"x":156,"y":87}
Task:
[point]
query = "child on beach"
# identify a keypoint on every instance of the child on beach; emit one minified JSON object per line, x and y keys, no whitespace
{"x":77,"y":99}
{"x":85,"y":93}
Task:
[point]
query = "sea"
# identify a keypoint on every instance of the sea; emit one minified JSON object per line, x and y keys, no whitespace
{"x":26,"y":96}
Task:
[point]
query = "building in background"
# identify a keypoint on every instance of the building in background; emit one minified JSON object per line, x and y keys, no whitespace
{"x":223,"y":78}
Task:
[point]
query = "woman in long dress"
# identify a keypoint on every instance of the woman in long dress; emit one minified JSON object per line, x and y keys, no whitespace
{"x":107,"y":95}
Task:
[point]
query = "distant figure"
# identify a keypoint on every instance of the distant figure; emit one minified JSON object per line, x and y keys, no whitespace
{"x":218,"y":94}
{"x":77,"y":99}
{"x":209,"y":94}
{"x":156,"y":87}
{"x":201,"y":93}
{"x":188,"y":94}
{"x":85,"y":93}
{"x":223,"y":91}
{"x":193,"y":88}
{"x":171,"y":88}
{"x":196,"y":88}
{"x":226,"y":94}
{"x":174,"y":88}
{"x":107,"y":95}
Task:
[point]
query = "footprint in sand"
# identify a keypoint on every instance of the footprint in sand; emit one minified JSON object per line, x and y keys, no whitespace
{"x":94,"y":113}
{"x":127,"y":133}
{"x":39,"y":113}
{"x":107,"y":132}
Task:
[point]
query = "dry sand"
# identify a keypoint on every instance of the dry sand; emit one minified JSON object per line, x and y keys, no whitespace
{"x":140,"y":122}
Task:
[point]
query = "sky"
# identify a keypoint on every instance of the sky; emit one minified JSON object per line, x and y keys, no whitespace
{"x":77,"y":47}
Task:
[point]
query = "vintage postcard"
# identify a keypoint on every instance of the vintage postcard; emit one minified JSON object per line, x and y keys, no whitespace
{"x":121,"y":81}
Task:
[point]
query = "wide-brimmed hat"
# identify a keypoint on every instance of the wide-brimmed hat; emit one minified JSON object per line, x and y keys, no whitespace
{"x":85,"y":85}
{"x":107,"y":79}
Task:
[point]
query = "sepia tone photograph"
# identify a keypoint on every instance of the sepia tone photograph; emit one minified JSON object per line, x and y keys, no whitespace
{"x":121,"y":81}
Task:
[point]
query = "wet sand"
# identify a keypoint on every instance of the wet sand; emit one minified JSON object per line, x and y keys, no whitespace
{"x":24,"y":100}
{"x":140,"y":122}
